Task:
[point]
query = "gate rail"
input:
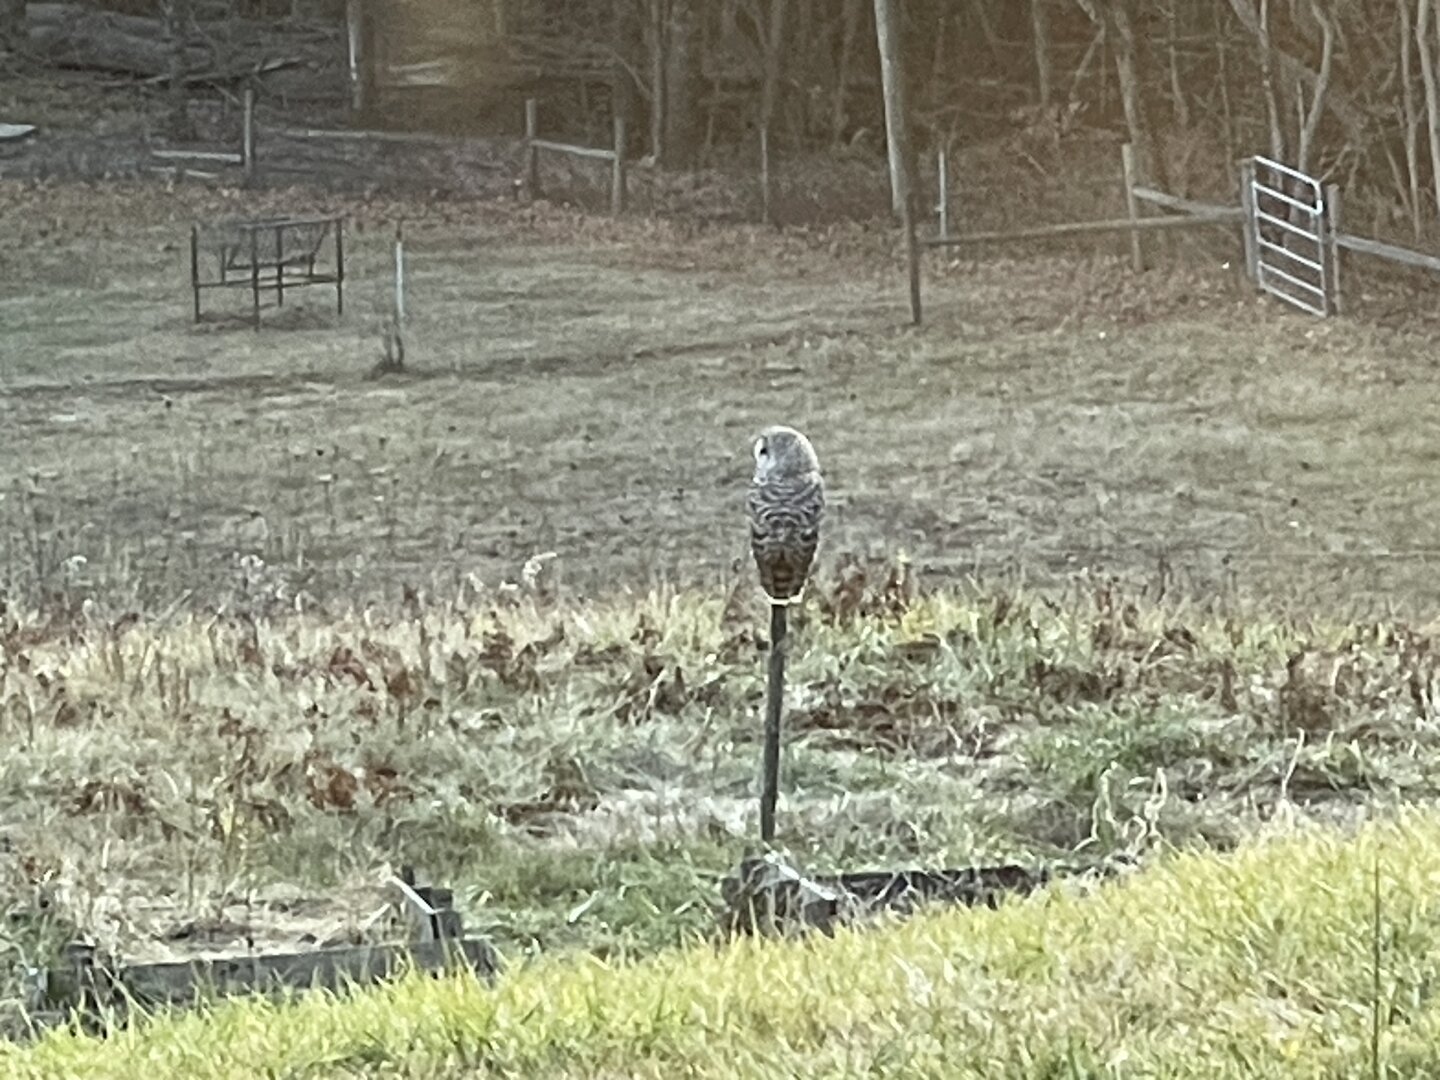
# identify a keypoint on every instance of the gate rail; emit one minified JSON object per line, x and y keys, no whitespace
{"x":1286,"y":223}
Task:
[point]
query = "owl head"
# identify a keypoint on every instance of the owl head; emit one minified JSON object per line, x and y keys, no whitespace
{"x":782,"y":452}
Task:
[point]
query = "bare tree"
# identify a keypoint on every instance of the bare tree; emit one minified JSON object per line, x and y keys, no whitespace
{"x":681,"y":126}
{"x":1409,"y":116}
{"x":1310,"y":118}
{"x":897,"y":138}
{"x":1177,"y":84}
{"x":850,"y":23}
{"x":1040,"y":33}
{"x":178,"y":16}
{"x":1118,"y":20}
{"x":12,"y":24}
{"x":1425,"y":15}
{"x":772,"y":45}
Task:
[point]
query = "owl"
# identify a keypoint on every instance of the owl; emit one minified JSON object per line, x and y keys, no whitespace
{"x":785,"y":503}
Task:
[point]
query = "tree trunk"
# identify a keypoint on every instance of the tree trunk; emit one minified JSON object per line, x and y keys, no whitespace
{"x":1310,"y":120}
{"x":850,"y":22}
{"x":12,"y":24}
{"x":655,"y":14}
{"x":1227,"y":115}
{"x":682,"y":129}
{"x":774,"y":45}
{"x":1410,"y":119}
{"x":178,"y":16}
{"x":1181,"y":107}
{"x":1425,"y":12}
{"x":625,"y":60}
{"x":1040,"y":31}
{"x":892,"y":78}
{"x":1129,"y":73}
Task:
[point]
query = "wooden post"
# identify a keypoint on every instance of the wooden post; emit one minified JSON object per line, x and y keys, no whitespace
{"x":247,"y":136}
{"x":617,"y":170}
{"x":355,"y":41}
{"x":912,"y":258}
{"x":774,"y":699}
{"x":195,"y":267}
{"x":942,"y":169}
{"x":339,"y":266}
{"x":399,"y":273}
{"x":279,"y":266}
{"x":1333,"y":222}
{"x":1247,"y":223}
{"x":532,"y":155}
{"x":765,"y":174}
{"x":1132,"y":206}
{"x":255,"y":272}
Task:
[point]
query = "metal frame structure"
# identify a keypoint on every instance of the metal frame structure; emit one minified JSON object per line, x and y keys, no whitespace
{"x":273,"y":265}
{"x":1287,"y":227}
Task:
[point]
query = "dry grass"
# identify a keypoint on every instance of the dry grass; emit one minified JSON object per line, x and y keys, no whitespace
{"x":265,"y":629}
{"x":588,"y":388}
{"x":583,"y":773}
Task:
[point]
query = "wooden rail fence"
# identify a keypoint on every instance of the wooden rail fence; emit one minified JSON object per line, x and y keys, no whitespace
{"x":1183,"y":214}
{"x":615,"y":154}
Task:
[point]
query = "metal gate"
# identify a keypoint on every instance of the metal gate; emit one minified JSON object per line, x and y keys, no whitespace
{"x":1287,"y":229}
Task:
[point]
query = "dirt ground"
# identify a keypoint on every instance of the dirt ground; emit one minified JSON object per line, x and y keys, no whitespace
{"x":589,"y":388}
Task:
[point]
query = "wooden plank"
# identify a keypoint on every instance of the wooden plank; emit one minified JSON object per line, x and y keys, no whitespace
{"x":188,"y":174}
{"x":1380,"y":249}
{"x":599,"y":153}
{"x":198,"y":155}
{"x":1080,"y":228}
{"x":184,"y":982}
{"x":1187,"y":206}
{"x":362,"y":134}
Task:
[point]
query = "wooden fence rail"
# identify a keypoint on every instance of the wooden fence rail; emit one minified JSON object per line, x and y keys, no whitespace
{"x":615,"y":154}
{"x":1186,"y":213}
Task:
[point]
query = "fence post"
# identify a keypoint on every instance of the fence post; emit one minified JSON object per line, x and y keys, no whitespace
{"x":1247,"y":224}
{"x":399,"y":272}
{"x":617,"y":170}
{"x":247,"y":136}
{"x":1132,"y":208}
{"x":532,"y":153}
{"x":912,"y":254}
{"x":942,"y":169}
{"x":195,"y":267}
{"x":765,"y":174}
{"x":1333,"y":220}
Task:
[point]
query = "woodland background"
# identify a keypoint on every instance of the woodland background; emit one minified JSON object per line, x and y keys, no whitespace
{"x":1346,"y":89}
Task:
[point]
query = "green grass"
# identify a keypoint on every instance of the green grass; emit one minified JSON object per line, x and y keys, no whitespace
{"x":583,"y":772}
{"x":1260,"y":962}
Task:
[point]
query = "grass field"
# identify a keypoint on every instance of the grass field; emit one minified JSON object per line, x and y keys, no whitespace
{"x":1169,"y":576}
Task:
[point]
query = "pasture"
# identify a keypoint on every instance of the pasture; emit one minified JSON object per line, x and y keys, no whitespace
{"x":1112,"y":564}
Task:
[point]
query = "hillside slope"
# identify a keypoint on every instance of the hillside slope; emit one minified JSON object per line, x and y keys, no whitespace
{"x":1260,"y":962}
